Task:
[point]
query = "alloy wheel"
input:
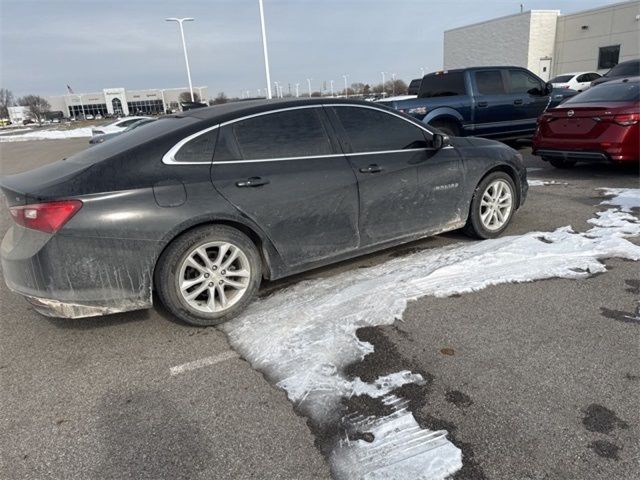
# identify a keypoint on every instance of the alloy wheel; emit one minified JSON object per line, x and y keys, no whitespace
{"x":213,"y":277}
{"x":496,"y":205}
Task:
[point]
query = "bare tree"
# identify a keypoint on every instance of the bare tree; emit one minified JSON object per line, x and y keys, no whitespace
{"x":185,"y":97}
{"x":6,"y":101}
{"x":220,"y":99}
{"x":38,"y":106}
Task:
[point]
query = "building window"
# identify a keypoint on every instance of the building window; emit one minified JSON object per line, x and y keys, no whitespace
{"x":145,"y":107}
{"x":608,"y":57}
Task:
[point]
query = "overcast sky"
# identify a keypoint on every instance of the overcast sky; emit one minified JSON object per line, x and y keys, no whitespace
{"x":96,"y":44}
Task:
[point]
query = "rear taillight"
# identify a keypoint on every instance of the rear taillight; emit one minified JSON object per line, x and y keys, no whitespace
{"x":627,"y":119}
{"x":45,"y":217}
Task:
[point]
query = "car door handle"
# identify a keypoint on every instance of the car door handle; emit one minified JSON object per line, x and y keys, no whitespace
{"x":373,"y":168}
{"x":518,"y":101}
{"x":252,"y":182}
{"x":483,"y":104}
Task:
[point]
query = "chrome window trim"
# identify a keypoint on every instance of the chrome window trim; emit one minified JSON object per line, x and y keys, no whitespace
{"x":169,"y":157}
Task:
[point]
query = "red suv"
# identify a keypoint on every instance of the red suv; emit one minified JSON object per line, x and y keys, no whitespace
{"x":600,"y":124}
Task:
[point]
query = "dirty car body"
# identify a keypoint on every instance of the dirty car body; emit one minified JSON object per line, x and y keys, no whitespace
{"x":372,"y":179}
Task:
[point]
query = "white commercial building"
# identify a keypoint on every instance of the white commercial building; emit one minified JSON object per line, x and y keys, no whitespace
{"x":118,"y":101}
{"x":547,"y":42}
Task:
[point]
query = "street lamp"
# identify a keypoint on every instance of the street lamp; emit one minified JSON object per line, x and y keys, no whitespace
{"x":383,"y":82}
{"x":346,"y":88}
{"x":309,"y":85}
{"x":332,"y":89}
{"x":297,"y":90}
{"x":264,"y":49}
{"x":180,"y":21}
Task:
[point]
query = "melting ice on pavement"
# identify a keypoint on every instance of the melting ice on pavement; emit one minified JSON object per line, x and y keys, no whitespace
{"x":303,"y":337}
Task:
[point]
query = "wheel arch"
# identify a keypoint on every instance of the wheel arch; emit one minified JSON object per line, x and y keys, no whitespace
{"x":268,"y":255}
{"x":444,"y":115}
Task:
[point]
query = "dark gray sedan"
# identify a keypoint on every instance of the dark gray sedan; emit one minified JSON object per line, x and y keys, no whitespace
{"x":201,"y":206}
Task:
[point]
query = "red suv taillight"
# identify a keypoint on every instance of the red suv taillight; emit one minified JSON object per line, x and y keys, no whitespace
{"x":627,"y":119}
{"x":45,"y":217}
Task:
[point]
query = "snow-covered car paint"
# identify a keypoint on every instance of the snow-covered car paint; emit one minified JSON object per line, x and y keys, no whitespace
{"x":315,"y":210}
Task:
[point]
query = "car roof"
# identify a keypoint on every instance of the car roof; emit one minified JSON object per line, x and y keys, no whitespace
{"x":635,"y":79}
{"x":249,"y":107}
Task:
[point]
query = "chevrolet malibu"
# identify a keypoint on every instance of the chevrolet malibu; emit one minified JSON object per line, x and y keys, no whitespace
{"x":200,"y":207}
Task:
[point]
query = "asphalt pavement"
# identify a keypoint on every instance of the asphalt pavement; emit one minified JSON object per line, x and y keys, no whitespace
{"x":533,"y":381}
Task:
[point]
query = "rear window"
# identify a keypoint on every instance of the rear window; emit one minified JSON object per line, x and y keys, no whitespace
{"x":625,"y":69}
{"x":561,"y":79}
{"x":442,"y":85}
{"x":131,"y":139}
{"x":607,"y":92}
{"x":414,"y":87}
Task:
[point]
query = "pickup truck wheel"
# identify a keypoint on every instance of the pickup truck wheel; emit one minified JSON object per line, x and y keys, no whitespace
{"x":492,"y":206}
{"x":448,"y":128}
{"x":208,"y":275}
{"x":558,"y":163}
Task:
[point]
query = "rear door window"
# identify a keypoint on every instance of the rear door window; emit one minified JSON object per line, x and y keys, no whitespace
{"x":370,"y":130}
{"x":442,"y":85}
{"x":489,"y":82}
{"x":291,"y":133}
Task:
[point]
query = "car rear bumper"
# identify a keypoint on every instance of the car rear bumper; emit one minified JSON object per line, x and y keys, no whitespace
{"x":74,"y":277}
{"x":581,"y":156}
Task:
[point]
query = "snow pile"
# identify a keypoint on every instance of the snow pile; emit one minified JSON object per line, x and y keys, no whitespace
{"x":303,"y":338}
{"x":48,"y":135}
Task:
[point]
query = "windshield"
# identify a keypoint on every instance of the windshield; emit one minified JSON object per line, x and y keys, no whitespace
{"x":609,"y":92}
{"x":561,"y":79}
{"x":624,"y":69}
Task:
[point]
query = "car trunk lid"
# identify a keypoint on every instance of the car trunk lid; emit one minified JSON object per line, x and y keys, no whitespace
{"x":579,"y":120}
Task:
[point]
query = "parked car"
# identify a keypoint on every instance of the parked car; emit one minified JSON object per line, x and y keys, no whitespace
{"x":578,"y":81}
{"x":88,"y":117}
{"x":219,"y":198}
{"x":630,"y":68}
{"x":494,"y":102}
{"x":97,"y":139}
{"x":117,"y":126}
{"x":599,"y":125}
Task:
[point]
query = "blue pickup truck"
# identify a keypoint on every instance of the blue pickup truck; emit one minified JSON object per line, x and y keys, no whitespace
{"x":494,"y":102}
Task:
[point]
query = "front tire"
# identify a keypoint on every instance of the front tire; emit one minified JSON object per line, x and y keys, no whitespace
{"x":208,"y":275}
{"x":492,"y":206}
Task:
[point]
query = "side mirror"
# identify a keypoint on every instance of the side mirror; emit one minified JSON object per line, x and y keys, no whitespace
{"x":440,"y":140}
{"x":548,"y":88}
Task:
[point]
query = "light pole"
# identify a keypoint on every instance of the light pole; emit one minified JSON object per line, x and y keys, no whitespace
{"x":264,"y":49}
{"x":180,"y":21}
{"x":383,"y":82}
{"x":277,"y":91}
{"x":309,"y":85}
{"x":422,"y":71}
{"x":297,"y":90}
{"x":346,"y":87}
{"x":332,"y":89}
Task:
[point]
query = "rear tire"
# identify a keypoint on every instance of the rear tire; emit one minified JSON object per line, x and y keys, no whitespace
{"x":208,"y":275}
{"x":492,"y":206}
{"x":558,"y":163}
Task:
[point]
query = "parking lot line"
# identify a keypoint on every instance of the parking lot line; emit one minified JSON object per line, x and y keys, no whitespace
{"x":203,"y":362}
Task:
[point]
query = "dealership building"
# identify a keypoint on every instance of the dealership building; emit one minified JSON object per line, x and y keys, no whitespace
{"x":118,"y":101}
{"x":547,"y":42}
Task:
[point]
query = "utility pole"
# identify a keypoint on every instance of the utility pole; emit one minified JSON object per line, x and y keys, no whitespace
{"x":180,"y":21}
{"x":264,"y":50}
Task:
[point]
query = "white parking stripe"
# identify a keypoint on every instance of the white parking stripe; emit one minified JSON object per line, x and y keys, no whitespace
{"x":203,"y":362}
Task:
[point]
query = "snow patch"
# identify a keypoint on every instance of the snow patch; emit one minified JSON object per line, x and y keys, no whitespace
{"x":303,"y":338}
{"x":534,"y":182}
{"x":48,"y":135}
